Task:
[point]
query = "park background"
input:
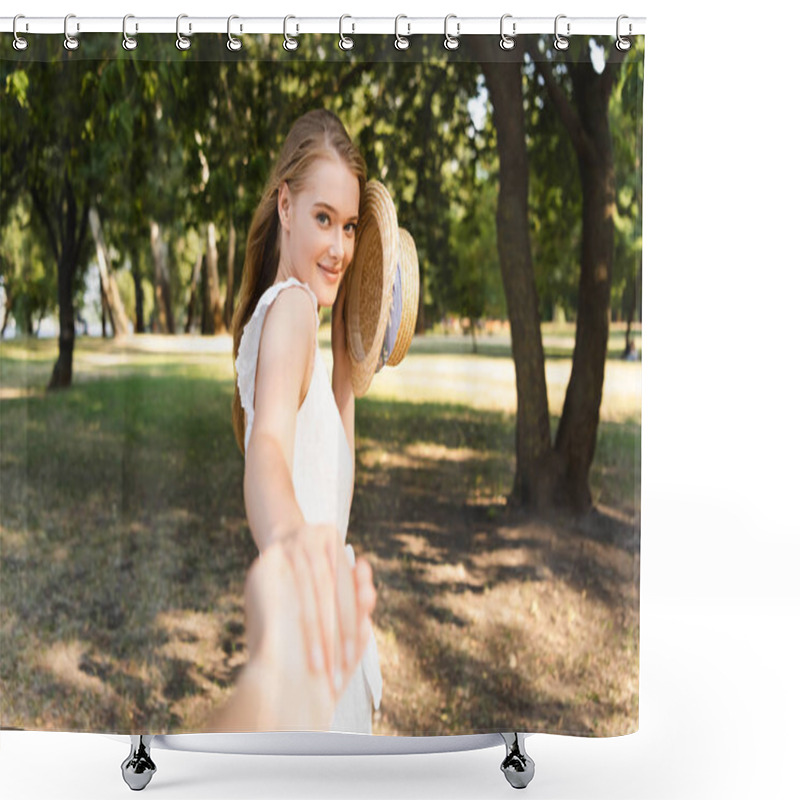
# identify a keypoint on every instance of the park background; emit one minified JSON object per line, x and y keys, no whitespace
{"x":497,"y":537}
{"x":716,"y":609}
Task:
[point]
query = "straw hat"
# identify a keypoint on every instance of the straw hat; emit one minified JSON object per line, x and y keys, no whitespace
{"x":383,"y":289}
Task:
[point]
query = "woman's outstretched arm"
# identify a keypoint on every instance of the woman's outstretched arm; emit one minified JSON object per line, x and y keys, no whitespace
{"x":283,"y":374}
{"x":315,"y":553}
{"x":276,"y":690}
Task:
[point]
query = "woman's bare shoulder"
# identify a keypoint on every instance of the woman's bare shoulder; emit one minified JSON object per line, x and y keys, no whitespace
{"x":288,"y":337}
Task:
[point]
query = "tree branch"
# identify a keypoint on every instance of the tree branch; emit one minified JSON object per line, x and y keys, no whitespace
{"x":82,"y":233}
{"x":566,"y":112}
{"x":351,"y":76}
{"x":39,"y":205}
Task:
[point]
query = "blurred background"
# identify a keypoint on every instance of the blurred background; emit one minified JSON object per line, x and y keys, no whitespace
{"x":498,"y":467}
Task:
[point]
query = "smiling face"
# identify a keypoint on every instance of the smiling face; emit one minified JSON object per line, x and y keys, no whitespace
{"x":318,"y":228}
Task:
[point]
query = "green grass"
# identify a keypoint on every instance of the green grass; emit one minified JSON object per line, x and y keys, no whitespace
{"x":123,"y":537}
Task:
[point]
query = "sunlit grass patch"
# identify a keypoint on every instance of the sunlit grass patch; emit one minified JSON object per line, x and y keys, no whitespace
{"x":124,"y":545}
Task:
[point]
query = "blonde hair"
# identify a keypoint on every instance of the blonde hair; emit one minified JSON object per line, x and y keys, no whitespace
{"x":317,"y":134}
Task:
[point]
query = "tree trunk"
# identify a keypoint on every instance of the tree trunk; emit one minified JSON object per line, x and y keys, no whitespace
{"x":630,"y":348}
{"x":230,"y":294}
{"x":66,"y":235}
{"x":212,"y":305}
{"x":577,"y":431}
{"x":535,"y":470}
{"x":103,"y":310}
{"x":194,"y":289}
{"x":165,"y":322}
{"x":138,"y":291}
{"x":108,"y":284}
{"x":9,"y":304}
{"x":71,"y":244}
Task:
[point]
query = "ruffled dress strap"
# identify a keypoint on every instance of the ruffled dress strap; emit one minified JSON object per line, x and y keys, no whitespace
{"x":247,"y":357}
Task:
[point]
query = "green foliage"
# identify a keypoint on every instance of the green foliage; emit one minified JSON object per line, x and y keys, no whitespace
{"x":554,"y":202}
{"x":188,"y":139}
{"x":626,"y":124}
{"x":26,"y":273}
{"x":476,"y":288}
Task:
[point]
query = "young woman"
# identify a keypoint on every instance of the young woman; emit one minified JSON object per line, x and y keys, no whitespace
{"x":295,"y":428}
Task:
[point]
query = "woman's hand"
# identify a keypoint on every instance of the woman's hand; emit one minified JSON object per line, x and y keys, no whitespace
{"x":332,"y":613}
{"x":282,"y":687}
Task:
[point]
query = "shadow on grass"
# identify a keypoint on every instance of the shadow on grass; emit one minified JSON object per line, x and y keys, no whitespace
{"x":125,"y":548}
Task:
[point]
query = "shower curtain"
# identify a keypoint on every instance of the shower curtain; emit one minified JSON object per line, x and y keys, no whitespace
{"x":497,"y":467}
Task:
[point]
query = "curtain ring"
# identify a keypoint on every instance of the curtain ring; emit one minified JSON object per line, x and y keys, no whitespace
{"x":401,"y":42}
{"x":507,"y":42}
{"x":345,"y":42}
{"x":233,"y":44}
{"x":561,"y":42}
{"x":288,"y":42}
{"x":128,"y":42}
{"x":70,"y":42}
{"x":20,"y":43}
{"x":623,"y":43}
{"x":451,"y":42}
{"x":182,"y":43}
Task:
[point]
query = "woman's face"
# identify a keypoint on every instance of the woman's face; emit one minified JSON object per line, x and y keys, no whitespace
{"x":319,"y":228}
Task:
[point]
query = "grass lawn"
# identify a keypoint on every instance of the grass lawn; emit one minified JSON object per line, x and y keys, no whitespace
{"x":123,"y":544}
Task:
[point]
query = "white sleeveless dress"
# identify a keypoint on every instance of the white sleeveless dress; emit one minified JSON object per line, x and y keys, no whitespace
{"x":322,"y":476}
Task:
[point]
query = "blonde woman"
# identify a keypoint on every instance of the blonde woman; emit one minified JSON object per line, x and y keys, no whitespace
{"x":294,"y":426}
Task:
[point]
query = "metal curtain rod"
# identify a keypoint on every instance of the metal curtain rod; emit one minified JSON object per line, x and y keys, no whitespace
{"x":457,"y":26}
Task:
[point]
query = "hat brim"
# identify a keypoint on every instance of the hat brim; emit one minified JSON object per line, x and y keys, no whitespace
{"x":370,"y":280}
{"x":409,"y":278}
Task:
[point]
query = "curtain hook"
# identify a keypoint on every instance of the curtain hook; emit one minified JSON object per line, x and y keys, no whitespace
{"x":561,"y":42}
{"x":182,"y":42}
{"x":623,"y":43}
{"x":288,"y":42}
{"x":506,"y":41}
{"x":451,"y":42}
{"x":19,"y":43}
{"x":233,"y":43}
{"x":70,"y":42}
{"x":128,"y":42}
{"x":345,"y":42}
{"x":401,"y":42}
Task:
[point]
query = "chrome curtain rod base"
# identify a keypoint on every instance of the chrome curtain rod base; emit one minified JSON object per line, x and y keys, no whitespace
{"x":138,"y":768}
{"x":517,"y":766}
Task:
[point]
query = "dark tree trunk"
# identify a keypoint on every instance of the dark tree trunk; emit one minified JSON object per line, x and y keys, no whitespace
{"x":206,"y":325}
{"x":535,"y":471}
{"x":66,"y":236}
{"x":103,"y":309}
{"x":138,"y":291}
{"x":165,"y":322}
{"x":194,"y":289}
{"x":212,"y":307}
{"x":630,"y":348}
{"x":230,"y":291}
{"x":588,"y":126}
{"x":61,"y":376}
{"x":577,"y":431}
